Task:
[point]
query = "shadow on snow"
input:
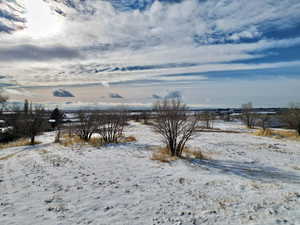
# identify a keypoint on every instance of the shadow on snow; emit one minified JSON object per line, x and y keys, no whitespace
{"x":248,"y":170}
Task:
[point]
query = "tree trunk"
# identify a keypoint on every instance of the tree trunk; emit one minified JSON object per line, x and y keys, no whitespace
{"x":57,"y":137}
{"x":32,"y":140}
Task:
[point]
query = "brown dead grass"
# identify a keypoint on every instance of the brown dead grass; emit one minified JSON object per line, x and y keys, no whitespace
{"x":17,"y":143}
{"x":43,"y":151}
{"x":68,"y":141}
{"x":194,"y":154}
{"x":128,"y":139}
{"x":7,"y":156}
{"x":216,"y":130}
{"x":279,"y":134}
{"x":95,"y":142}
{"x":164,"y":155}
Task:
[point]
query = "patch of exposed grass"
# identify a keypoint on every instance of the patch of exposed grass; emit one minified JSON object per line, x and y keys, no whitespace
{"x":279,"y":134}
{"x":128,"y":139}
{"x":8,"y":156}
{"x":43,"y":151}
{"x":95,"y":141}
{"x":194,"y":153}
{"x":216,"y":130}
{"x":17,"y":143}
{"x":265,"y":133}
{"x":67,"y":140}
{"x":164,"y":155}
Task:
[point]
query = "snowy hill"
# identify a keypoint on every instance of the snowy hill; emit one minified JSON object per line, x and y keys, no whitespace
{"x":248,"y":180}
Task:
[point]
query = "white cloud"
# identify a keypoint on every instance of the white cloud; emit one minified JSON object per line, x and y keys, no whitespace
{"x":97,"y":36}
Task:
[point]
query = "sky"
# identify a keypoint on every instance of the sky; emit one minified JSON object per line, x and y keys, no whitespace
{"x":105,"y":53}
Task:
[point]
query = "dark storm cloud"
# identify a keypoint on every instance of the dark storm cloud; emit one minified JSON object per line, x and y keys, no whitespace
{"x":36,"y":53}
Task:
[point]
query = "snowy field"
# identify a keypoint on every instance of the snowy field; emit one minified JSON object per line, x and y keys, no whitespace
{"x":247,"y":180}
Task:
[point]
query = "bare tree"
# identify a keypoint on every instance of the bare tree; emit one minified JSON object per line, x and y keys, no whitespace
{"x":26,"y":106}
{"x":248,"y":116}
{"x":28,"y":124}
{"x":56,"y":119}
{"x":112,"y":125}
{"x":263,"y":120}
{"x":173,"y":124}
{"x":33,"y":123}
{"x":292,"y":117}
{"x":208,"y":119}
{"x":3,"y":101}
{"x":87,"y":125}
{"x":145,"y":116}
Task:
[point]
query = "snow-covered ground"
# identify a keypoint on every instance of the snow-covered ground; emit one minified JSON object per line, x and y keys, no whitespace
{"x":248,"y":180}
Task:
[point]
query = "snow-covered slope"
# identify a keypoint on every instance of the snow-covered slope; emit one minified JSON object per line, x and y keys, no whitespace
{"x":248,"y":180}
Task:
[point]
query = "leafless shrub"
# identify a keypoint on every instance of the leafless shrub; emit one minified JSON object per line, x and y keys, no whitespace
{"x":174,"y":125}
{"x":87,"y":125}
{"x":291,"y":117}
{"x":111,"y":125}
{"x":248,"y":116}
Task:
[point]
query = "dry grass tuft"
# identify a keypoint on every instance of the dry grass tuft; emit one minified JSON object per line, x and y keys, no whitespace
{"x":164,"y":155}
{"x":194,"y":153}
{"x":265,"y":133}
{"x":8,"y":156}
{"x":17,"y":143}
{"x":96,"y":142}
{"x":43,"y":151}
{"x":70,"y":141}
{"x":129,"y":139}
{"x":279,"y":134}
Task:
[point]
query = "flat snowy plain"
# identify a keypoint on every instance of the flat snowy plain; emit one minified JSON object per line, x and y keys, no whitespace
{"x":247,"y":180}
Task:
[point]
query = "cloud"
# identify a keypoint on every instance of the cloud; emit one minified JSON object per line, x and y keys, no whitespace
{"x":36,"y":53}
{"x":115,"y":95}
{"x":155,"y":96}
{"x":11,"y":18}
{"x":144,"y":41}
{"x":105,"y":84}
{"x":62,"y":93}
{"x":173,"y":94}
{"x":170,"y":95}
